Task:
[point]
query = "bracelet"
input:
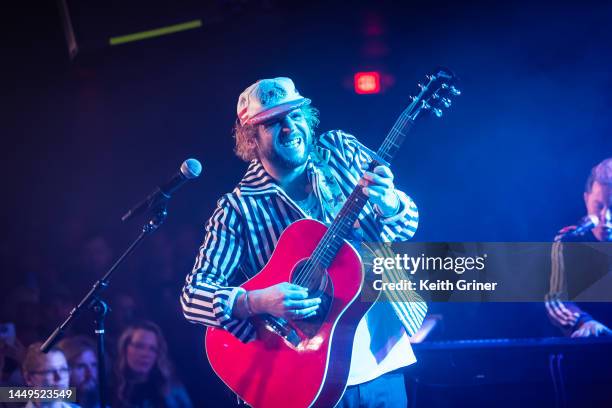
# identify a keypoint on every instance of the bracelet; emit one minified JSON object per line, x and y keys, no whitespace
{"x":246,"y":304}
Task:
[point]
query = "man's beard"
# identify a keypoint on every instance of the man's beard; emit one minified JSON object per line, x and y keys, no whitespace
{"x":289,"y":163}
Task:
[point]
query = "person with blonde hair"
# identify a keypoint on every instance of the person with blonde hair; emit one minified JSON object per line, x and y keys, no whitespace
{"x":144,"y":373}
{"x":46,"y":370}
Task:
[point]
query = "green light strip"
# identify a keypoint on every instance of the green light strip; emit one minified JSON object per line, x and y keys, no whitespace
{"x":190,"y":25}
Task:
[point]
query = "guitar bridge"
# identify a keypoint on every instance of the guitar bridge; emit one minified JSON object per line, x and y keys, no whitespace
{"x":282,"y":328}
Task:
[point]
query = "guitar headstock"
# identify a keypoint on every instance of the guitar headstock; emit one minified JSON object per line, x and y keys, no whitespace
{"x":436,"y":94}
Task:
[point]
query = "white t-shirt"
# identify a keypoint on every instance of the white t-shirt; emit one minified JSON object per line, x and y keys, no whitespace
{"x":381,"y":345}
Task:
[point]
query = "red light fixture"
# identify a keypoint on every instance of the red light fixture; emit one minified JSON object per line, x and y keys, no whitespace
{"x":367,"y":82}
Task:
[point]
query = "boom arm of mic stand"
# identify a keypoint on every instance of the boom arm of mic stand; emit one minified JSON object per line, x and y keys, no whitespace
{"x":155,"y":200}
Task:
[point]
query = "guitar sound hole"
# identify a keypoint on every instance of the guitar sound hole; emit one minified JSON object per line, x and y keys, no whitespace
{"x":310,"y":276}
{"x":317,"y":281}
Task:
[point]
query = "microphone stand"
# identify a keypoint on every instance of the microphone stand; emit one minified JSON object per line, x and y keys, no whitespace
{"x":95,"y":303}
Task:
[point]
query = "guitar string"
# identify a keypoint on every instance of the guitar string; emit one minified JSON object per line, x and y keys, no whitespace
{"x":305,"y":274}
{"x":387,"y":142}
{"x":408,"y":113}
{"x":311,"y":266}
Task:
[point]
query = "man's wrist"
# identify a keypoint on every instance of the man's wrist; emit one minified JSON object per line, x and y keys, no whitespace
{"x":244,"y":304}
{"x":234,"y":302}
{"x":247,"y":305}
{"x":584,"y":318}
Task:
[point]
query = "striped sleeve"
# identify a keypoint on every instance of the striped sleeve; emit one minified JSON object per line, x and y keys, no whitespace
{"x":353,"y":155}
{"x":408,"y":305}
{"x":206,"y":297}
{"x":562,"y":313}
{"x":403,"y":225}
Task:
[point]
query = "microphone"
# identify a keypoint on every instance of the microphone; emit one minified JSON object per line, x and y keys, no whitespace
{"x":190,"y":169}
{"x":586,"y":223}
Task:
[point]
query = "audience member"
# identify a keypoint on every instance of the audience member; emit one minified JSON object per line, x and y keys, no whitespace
{"x":80,"y":351}
{"x":11,"y":355}
{"x":46,"y":370}
{"x":145,"y":376}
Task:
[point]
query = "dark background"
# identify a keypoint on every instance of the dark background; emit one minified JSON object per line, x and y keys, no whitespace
{"x":86,"y":138}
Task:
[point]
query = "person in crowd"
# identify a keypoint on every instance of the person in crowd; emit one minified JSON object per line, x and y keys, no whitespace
{"x":144,"y":374}
{"x":80,"y":352}
{"x":11,"y":354}
{"x":46,"y":370}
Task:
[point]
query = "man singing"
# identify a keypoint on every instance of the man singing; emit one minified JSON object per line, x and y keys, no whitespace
{"x":294,"y":174}
{"x":567,"y":315}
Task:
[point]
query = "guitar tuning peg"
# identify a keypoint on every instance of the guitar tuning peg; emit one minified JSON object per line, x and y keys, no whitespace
{"x":444,"y":86}
{"x":435,"y":95}
{"x":446,"y":102}
{"x":425,"y":105}
{"x":455,"y":91}
{"x":437,"y":112}
{"x":430,"y":77}
{"x":420,"y":85}
{"x":412,"y":98}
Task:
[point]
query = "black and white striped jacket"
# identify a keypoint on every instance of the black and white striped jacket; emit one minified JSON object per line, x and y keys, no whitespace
{"x":247,"y":223}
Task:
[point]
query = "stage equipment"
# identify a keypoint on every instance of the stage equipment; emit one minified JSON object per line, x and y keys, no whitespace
{"x":190,"y":169}
{"x":156,"y":202}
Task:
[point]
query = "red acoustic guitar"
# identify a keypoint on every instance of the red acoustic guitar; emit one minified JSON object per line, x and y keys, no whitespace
{"x":305,"y":363}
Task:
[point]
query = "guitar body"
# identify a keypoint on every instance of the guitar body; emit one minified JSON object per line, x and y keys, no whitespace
{"x":312,"y":369}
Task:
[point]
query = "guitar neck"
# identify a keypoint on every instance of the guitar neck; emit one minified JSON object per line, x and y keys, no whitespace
{"x":342,"y":226}
{"x":395,"y":138}
{"x":431,"y":95}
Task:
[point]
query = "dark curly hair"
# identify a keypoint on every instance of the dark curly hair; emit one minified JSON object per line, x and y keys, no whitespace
{"x":245,"y":135}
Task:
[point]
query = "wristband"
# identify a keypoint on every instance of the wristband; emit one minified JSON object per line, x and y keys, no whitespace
{"x":246,"y":304}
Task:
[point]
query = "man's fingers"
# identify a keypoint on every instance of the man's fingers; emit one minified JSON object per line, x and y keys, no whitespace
{"x":374,"y":191}
{"x":384,"y":171}
{"x":294,"y":294}
{"x":380,"y":190}
{"x":293,"y":291}
{"x":301,"y":304}
{"x":311,"y":314}
{"x":303,"y":313}
{"x":377,"y":179}
{"x":580,"y":333}
{"x":294,"y":287}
